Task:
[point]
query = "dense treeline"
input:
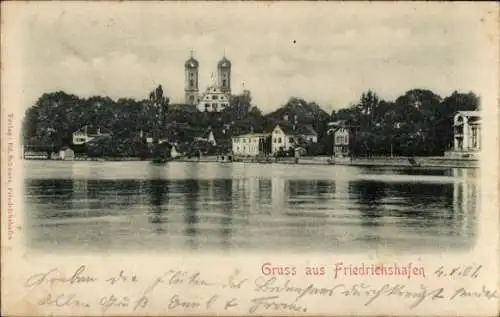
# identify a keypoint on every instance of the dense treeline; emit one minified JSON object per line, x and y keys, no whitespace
{"x":416,"y":123}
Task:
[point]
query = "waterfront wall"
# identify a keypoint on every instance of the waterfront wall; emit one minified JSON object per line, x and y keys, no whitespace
{"x":440,"y":161}
{"x":422,"y":161}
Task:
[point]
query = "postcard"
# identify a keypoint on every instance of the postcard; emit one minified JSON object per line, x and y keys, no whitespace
{"x":250,"y":158}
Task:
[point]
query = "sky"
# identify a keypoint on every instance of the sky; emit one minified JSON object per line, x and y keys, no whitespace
{"x":324,"y":52}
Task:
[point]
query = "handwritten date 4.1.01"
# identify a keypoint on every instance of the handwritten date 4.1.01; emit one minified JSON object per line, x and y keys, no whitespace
{"x":463,"y":271}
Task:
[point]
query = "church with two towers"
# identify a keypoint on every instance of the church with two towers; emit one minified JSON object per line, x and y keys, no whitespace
{"x":217,"y":96}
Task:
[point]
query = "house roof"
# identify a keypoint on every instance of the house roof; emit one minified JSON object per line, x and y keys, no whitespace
{"x":300,"y":129}
{"x":98,"y":139}
{"x":306,"y":129}
{"x":248,"y":135}
{"x":340,"y":124}
{"x":469,"y":113}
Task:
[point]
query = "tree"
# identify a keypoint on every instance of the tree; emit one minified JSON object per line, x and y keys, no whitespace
{"x":158,"y":106}
{"x":419,"y":122}
{"x":367,"y":110}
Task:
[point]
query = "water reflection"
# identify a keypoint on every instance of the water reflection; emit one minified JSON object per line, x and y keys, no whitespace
{"x":251,"y":211}
{"x":369,"y":196}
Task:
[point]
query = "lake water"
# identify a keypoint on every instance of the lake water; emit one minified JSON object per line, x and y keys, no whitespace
{"x":125,"y":206}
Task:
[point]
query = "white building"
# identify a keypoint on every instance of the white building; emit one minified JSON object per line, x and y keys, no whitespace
{"x":213,"y":100}
{"x":466,"y":134}
{"x":341,"y":138}
{"x":216,"y":97}
{"x":86,"y":134}
{"x":173,"y":152}
{"x":286,"y":137}
{"x":67,"y":154}
{"x":209,"y":137}
{"x":251,"y":144}
{"x":282,"y":139}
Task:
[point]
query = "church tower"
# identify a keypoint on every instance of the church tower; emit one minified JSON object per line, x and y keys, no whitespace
{"x":224,"y":75}
{"x":191,"y":81}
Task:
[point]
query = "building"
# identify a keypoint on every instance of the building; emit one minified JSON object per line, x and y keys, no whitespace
{"x":216,"y":137}
{"x":66,"y":154}
{"x":224,"y":75}
{"x":342,"y":136}
{"x":283,"y":138}
{"x":208,"y":137}
{"x":307,"y":133}
{"x":87,"y":134}
{"x":191,"y":81}
{"x":214,"y":99}
{"x":217,"y":96}
{"x":251,"y":144}
{"x":466,"y":134}
{"x":286,"y":137}
{"x":173,"y":152}
{"x":35,"y":155}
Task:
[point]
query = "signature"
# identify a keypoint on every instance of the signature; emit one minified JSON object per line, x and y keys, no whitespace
{"x":273,"y":303}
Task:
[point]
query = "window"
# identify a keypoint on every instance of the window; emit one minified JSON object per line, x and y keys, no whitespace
{"x":346,"y":139}
{"x":474,"y":138}
{"x":191,"y":83}
{"x":224,"y":83}
{"x":214,"y":97}
{"x":275,"y":140}
{"x":311,"y":139}
{"x":290,"y":140}
{"x":191,"y":98}
{"x":207,"y":105}
{"x":279,"y":140}
{"x":214,"y":106}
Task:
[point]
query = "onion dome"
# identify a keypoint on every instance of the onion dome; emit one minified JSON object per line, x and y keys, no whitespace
{"x":191,"y":63}
{"x":224,"y":63}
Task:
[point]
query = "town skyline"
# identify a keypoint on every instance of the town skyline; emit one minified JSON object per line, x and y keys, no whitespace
{"x":309,"y":52}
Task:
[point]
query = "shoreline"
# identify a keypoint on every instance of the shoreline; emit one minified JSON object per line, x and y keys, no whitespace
{"x":396,"y":162}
